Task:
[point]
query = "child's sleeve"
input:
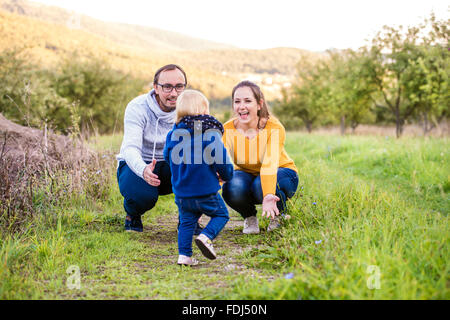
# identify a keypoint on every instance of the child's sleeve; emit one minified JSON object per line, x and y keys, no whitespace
{"x":166,"y":148}
{"x":222,"y":161}
{"x":226,"y":168}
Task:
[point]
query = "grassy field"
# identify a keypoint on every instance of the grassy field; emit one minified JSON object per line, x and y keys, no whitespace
{"x":369,"y":221}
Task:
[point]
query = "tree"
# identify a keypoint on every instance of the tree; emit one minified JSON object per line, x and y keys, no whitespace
{"x":26,"y":94}
{"x":99,"y":92}
{"x":389,"y":66}
{"x":349,"y":88}
{"x":14,"y":70}
{"x":427,"y":86}
{"x":306,"y":99}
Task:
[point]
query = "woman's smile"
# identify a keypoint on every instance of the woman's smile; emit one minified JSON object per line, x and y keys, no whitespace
{"x":243,"y":115}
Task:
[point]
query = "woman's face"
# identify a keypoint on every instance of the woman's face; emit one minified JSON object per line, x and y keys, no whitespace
{"x":245,"y":106}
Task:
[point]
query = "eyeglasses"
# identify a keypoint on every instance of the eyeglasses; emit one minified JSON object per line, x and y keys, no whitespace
{"x":167,"y":88}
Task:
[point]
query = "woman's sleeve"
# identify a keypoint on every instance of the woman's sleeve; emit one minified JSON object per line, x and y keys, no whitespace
{"x":271,"y":159}
{"x":227,"y":139}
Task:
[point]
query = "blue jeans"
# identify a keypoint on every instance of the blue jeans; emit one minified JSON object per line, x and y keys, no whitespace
{"x":244,"y":191}
{"x":138,"y":195}
{"x":190,"y":210}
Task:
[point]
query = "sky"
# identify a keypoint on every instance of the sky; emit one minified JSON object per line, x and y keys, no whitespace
{"x":314,"y":25}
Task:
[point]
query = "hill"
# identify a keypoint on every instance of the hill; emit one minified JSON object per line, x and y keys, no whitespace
{"x":133,"y":35}
{"x":51,"y":34}
{"x":47,"y":45}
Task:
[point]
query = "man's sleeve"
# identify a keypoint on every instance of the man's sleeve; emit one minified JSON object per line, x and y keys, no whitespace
{"x":134,"y":124}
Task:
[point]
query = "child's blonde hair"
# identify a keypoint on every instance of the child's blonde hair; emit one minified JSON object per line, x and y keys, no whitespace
{"x":191,"y":103}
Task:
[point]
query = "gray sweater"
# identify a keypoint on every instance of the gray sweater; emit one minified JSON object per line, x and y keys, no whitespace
{"x":145,"y":130}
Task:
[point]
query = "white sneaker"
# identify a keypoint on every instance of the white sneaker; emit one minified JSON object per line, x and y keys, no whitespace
{"x":251,"y":225}
{"x":187,"y":261}
{"x":274,"y":224}
{"x":205,"y":245}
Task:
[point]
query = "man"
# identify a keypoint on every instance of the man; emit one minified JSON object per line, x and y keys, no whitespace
{"x":142,"y":173}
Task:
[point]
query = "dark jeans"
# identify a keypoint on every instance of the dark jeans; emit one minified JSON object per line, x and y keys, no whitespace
{"x":190,"y":210}
{"x":244,"y":191}
{"x":138,"y":195}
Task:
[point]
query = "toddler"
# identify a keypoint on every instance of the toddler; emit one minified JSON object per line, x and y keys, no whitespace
{"x":197,"y":159}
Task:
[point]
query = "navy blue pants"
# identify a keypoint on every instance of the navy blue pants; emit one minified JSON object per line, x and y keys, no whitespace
{"x":244,"y":191}
{"x":138,"y":195}
{"x":190,"y":210}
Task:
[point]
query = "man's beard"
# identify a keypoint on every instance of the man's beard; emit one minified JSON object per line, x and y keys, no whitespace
{"x":163,"y":106}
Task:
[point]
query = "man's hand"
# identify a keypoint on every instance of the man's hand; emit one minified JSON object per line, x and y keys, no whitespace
{"x":269,"y":206}
{"x":149,"y":176}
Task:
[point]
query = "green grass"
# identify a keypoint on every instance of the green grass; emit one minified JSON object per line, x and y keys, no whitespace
{"x":362,"y":201}
{"x":369,"y":201}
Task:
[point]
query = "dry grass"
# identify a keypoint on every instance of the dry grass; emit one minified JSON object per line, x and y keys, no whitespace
{"x":38,"y":167}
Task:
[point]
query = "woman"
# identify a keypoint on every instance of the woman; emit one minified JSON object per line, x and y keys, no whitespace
{"x":264,"y":171}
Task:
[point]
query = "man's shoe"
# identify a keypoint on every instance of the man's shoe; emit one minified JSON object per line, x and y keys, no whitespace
{"x":251,"y":225}
{"x":187,"y":261}
{"x":205,"y":245}
{"x":274,"y":224}
{"x":133,"y":223}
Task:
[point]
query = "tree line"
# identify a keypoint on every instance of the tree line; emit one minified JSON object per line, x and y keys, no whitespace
{"x":400,"y":76}
{"x":82,"y":94}
{"x":77,"y":94}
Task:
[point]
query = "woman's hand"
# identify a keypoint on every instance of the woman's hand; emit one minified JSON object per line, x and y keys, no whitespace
{"x":149,"y":176}
{"x":269,"y":206}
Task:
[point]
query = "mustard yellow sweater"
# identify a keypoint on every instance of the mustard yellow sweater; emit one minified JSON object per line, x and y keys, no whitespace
{"x":262,"y":155}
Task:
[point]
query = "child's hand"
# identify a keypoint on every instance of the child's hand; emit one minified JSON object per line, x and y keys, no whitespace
{"x":220,"y":179}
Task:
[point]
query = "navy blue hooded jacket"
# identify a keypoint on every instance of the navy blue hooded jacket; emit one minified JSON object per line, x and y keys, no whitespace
{"x":195,"y":157}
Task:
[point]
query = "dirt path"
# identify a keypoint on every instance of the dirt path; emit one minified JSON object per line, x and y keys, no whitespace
{"x":150,"y":271}
{"x":229,"y":251}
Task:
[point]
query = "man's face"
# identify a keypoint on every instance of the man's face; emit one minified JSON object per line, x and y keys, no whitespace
{"x":168,"y":100}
